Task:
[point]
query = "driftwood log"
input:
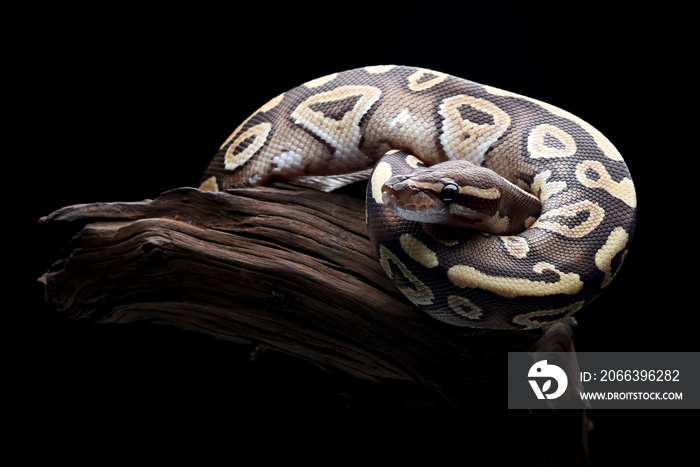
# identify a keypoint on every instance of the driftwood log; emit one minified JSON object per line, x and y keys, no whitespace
{"x":286,"y":269}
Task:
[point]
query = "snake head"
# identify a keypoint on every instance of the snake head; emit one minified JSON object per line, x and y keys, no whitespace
{"x":460,"y":194}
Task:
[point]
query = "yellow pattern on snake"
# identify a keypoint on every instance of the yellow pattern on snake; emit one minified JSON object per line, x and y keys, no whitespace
{"x":488,"y":209}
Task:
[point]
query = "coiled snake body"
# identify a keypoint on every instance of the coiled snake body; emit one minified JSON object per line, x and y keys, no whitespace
{"x":488,"y":209}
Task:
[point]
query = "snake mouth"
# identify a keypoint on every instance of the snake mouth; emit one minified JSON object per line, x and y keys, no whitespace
{"x":406,"y":194}
{"x":413,"y":206}
{"x":412,"y":200}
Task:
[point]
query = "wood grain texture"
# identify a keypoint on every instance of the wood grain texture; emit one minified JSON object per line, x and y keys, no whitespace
{"x":291,"y":269}
{"x":286,"y":269}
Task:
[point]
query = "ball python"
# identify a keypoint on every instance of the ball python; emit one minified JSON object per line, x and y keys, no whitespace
{"x":488,"y":209}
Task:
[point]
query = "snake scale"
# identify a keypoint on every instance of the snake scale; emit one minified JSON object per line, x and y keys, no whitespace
{"x":488,"y":209}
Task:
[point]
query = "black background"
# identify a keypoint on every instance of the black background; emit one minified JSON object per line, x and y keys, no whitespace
{"x":123,"y":103}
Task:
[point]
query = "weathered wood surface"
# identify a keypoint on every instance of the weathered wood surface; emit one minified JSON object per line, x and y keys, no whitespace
{"x":292,"y":270}
{"x":287,"y":269}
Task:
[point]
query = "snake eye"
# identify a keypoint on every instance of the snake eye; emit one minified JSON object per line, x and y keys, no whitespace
{"x":449,"y":193}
